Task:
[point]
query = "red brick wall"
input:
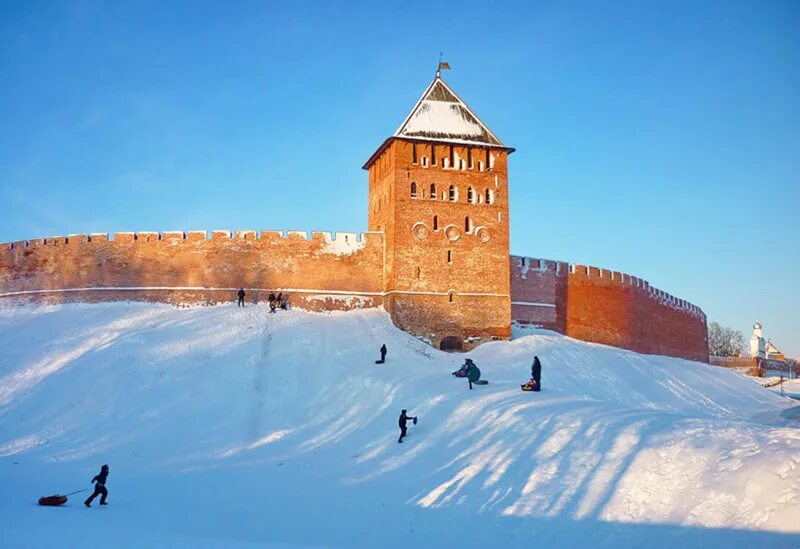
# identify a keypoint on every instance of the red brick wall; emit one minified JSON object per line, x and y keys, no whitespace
{"x":538,"y":292}
{"x":319,"y":273}
{"x":607,"y":307}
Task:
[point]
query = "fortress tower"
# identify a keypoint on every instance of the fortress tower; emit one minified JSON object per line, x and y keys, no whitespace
{"x":438,"y":190}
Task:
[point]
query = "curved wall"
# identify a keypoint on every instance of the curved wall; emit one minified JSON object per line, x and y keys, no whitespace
{"x":609,"y":307}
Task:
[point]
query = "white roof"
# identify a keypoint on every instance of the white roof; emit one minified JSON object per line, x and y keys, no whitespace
{"x":441,"y":115}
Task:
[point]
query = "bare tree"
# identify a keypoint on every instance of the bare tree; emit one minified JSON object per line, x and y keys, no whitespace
{"x":724,"y":341}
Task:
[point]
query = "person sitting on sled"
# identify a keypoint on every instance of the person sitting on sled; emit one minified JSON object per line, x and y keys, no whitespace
{"x":462,"y":372}
{"x":99,"y":487}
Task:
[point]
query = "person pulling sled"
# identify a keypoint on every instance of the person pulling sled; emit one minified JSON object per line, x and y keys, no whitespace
{"x":383,"y":355}
{"x":535,"y":382}
{"x":402,"y":422}
{"x":99,"y":487}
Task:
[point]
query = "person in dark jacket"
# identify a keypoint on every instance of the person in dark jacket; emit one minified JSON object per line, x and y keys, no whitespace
{"x":473,"y":373}
{"x":402,"y":422}
{"x":241,"y":295}
{"x":99,"y":487}
{"x":272,"y":302}
{"x":279,"y":300}
{"x":383,"y":355}
{"x":536,"y":373}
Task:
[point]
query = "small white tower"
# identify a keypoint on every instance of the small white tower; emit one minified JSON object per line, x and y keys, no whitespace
{"x":758,"y":347}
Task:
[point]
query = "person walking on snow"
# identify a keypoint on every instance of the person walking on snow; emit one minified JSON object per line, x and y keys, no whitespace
{"x":402,"y":422}
{"x":99,"y":487}
{"x":383,"y":355}
{"x":241,"y":295}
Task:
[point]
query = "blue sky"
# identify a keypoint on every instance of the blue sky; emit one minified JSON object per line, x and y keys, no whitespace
{"x":659,"y":139}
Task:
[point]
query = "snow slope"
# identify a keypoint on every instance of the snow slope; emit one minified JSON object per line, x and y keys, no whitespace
{"x":226,"y":427}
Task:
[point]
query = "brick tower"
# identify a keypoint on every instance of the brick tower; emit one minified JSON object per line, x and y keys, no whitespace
{"x":438,"y":190}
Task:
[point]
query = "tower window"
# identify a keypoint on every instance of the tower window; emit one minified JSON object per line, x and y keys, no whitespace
{"x":452,"y":161}
{"x":488,"y":159}
{"x":433,"y":191}
{"x":480,"y":165}
{"x":414,"y":153}
{"x":450,"y":256}
{"x":419,"y":273}
{"x":424,"y":161}
{"x":489,"y":196}
{"x":413,"y":190}
{"x":450,"y":297}
{"x":470,"y":195}
{"x":433,"y":155}
{"x":467,"y":225}
{"x":469,"y":158}
{"x":435,"y":222}
{"x":453,"y":194}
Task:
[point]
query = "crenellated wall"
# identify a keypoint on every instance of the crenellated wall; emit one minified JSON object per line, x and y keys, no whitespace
{"x":604,"y":306}
{"x":325,"y":271}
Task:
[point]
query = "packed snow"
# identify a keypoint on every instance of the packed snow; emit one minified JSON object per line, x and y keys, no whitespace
{"x":228,"y":427}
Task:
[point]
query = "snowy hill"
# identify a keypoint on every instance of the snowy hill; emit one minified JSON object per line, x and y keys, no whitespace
{"x":238,"y":428}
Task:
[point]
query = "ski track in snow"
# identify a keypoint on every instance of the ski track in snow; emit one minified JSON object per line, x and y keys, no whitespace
{"x":229,"y":427}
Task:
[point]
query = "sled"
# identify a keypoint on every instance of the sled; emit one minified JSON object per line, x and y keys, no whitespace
{"x":415,"y":421}
{"x":380,"y":361}
{"x":459,"y":374}
{"x":527,"y":387}
{"x":52,"y":501}
{"x":480,"y":382}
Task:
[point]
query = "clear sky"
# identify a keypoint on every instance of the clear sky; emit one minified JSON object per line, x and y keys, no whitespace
{"x":659,"y":139}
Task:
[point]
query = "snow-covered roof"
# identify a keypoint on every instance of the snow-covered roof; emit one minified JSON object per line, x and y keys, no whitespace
{"x":441,"y":115}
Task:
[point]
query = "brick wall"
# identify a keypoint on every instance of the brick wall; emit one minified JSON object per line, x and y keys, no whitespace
{"x":325,"y":271}
{"x":609,"y":307}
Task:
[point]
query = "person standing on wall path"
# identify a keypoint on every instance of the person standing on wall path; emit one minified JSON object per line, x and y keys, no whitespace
{"x":241,"y":295}
{"x":99,"y":487}
{"x":402,"y":422}
{"x":272,"y":302}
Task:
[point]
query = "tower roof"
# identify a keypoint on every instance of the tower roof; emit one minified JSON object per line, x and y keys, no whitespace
{"x":441,"y":115}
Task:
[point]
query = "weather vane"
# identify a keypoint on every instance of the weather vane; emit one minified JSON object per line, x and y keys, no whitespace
{"x":443,"y":66}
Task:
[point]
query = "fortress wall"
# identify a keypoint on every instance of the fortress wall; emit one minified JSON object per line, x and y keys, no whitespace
{"x":617,"y":309}
{"x":538,"y":292}
{"x":609,"y":307}
{"x":320,"y":271}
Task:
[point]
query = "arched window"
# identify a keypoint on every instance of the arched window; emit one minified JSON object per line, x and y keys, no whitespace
{"x":435,"y":222}
{"x":470,"y":195}
{"x":467,"y":225}
{"x":489,"y":196}
{"x":413,"y":190}
{"x":433,"y":191}
{"x":453,"y":194}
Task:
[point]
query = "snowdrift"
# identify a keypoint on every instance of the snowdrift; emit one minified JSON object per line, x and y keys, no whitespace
{"x":229,"y":427}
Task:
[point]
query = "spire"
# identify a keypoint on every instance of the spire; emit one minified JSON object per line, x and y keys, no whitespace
{"x":441,"y":115}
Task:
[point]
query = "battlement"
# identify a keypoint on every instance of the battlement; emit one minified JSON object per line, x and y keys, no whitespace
{"x":343,"y":240}
{"x":601,"y":275}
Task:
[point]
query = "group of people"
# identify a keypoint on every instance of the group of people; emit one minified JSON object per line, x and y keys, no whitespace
{"x":275,"y":302}
{"x":471,"y":371}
